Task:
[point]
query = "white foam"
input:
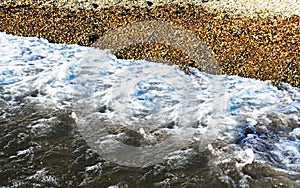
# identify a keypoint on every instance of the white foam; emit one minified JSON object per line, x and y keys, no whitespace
{"x":24,"y":152}
{"x":93,"y":167}
{"x":42,"y":176}
{"x":53,"y":70}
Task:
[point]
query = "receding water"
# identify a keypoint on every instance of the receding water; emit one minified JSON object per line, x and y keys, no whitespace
{"x":74,"y":116}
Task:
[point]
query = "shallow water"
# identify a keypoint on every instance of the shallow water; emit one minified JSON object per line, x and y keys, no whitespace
{"x":78,"y":116}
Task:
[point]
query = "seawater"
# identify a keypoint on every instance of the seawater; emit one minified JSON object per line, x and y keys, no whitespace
{"x":224,"y":130}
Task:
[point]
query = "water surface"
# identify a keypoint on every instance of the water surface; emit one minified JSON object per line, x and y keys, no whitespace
{"x":56,"y":99}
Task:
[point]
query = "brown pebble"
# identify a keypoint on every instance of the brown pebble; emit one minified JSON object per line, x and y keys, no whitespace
{"x":264,"y":48}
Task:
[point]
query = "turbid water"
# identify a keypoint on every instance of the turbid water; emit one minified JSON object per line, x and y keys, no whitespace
{"x":76,"y":116}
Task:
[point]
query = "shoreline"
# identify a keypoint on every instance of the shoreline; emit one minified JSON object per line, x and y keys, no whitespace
{"x":265,"y":48}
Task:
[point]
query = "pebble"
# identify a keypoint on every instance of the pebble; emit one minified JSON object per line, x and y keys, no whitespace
{"x":249,"y":45}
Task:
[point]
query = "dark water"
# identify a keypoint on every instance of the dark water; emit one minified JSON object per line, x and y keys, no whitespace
{"x":42,"y":148}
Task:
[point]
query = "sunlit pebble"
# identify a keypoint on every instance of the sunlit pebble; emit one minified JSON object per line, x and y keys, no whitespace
{"x":263,"y":48}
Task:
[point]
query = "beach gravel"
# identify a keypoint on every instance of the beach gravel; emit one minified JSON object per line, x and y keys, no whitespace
{"x":254,"y":43}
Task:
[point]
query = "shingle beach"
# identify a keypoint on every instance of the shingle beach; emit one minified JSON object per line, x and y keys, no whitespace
{"x":248,"y":38}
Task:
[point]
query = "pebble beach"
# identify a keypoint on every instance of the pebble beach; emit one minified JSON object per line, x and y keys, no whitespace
{"x":88,"y":97}
{"x":249,"y":39}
